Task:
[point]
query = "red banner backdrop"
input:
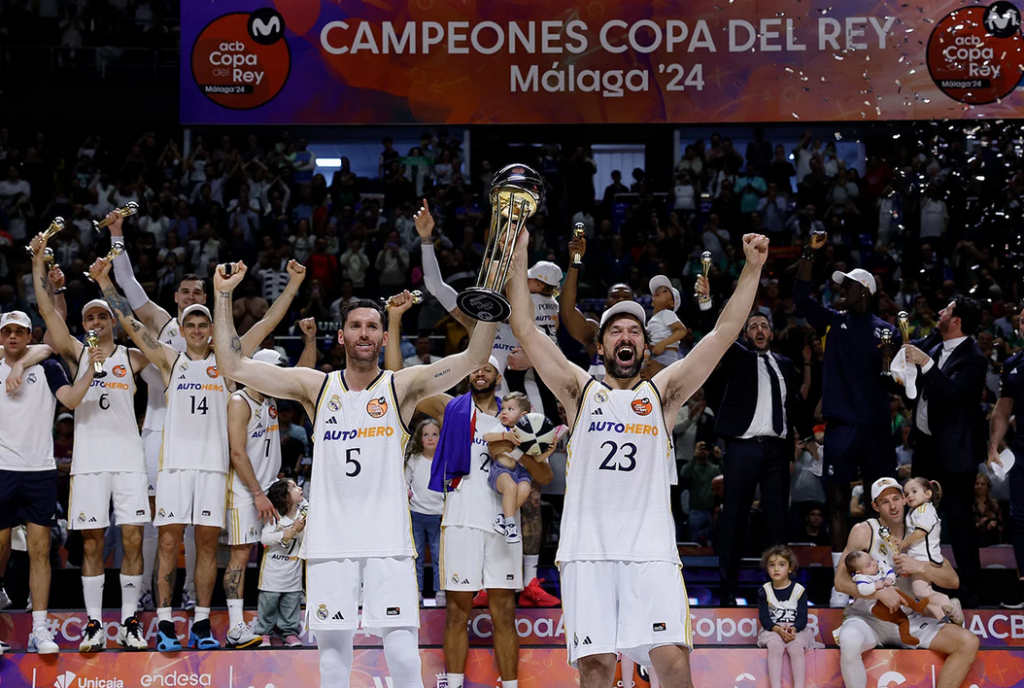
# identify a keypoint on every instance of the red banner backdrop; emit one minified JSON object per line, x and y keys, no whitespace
{"x":538,"y":668}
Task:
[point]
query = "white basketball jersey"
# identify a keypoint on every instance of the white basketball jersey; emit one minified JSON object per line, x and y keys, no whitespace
{"x":619,"y":468}
{"x":262,"y":445}
{"x":783,"y":612}
{"x":473,"y":504}
{"x":156,"y":400}
{"x":545,"y":315}
{"x":196,"y":428}
{"x":26,"y":422}
{"x":358,"y":502}
{"x":106,"y":431}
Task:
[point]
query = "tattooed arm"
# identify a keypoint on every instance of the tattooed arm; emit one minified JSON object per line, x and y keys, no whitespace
{"x":60,"y":338}
{"x":158,"y":353}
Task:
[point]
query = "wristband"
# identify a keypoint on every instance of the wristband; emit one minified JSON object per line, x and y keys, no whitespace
{"x":426,"y":241}
{"x":808,"y":253}
{"x":60,"y":291}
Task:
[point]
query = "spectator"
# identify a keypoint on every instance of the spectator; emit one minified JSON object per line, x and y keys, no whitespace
{"x":988,"y":519}
{"x":423,"y":355}
{"x":697,"y":475}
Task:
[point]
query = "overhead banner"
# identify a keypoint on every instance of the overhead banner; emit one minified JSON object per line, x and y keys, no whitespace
{"x":581,"y":61}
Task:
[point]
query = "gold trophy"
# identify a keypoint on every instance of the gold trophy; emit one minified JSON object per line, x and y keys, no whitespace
{"x":578,"y":230}
{"x":115,"y":250}
{"x":417,"y":297}
{"x":92,"y":341}
{"x":903,"y":320}
{"x":705,"y":268}
{"x":516,"y":193}
{"x":886,"y":337}
{"x":130,"y":208}
{"x":49,"y":260}
{"x":56,"y":226}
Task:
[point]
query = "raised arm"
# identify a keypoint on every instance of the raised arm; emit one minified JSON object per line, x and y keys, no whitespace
{"x":307,"y":359}
{"x":565,"y":379}
{"x":72,"y":395}
{"x":158,"y":353}
{"x":576,"y":324}
{"x":152,"y":315}
{"x":432,"y":279}
{"x":300,"y":384}
{"x":679,"y":381}
{"x":396,"y":306}
{"x":257,"y":333}
{"x":238,"y":438}
{"x":66,"y":345}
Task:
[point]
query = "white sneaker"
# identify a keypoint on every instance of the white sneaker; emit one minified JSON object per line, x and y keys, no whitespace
{"x":94,"y":639}
{"x":4,"y":647}
{"x":130,"y":635}
{"x":241,"y":635}
{"x":512,"y":532}
{"x":5,"y":600}
{"x":839,"y":600}
{"x":441,"y":600}
{"x":41,"y":641}
{"x":499,"y":523}
{"x":188,"y":600}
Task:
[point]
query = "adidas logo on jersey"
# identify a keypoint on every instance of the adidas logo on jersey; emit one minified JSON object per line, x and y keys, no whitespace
{"x":597,"y":412}
{"x":332,"y":421}
{"x":337,"y":617}
{"x":586,"y":641}
{"x":92,"y":520}
{"x":181,"y":377}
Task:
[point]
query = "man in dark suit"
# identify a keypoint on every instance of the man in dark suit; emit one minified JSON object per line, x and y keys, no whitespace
{"x":759,"y":406}
{"x":949,"y":430}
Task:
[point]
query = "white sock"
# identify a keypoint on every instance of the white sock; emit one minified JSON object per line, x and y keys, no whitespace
{"x":92,"y":590}
{"x":234,"y":613}
{"x":530,"y":562}
{"x":150,"y":545}
{"x":455,"y":680}
{"x":401,"y":649}
{"x":38,"y":619}
{"x":509,"y":684}
{"x":201,"y":614}
{"x":131,"y":591}
{"x":190,"y":559}
{"x":335,"y":650}
{"x":164,"y":614}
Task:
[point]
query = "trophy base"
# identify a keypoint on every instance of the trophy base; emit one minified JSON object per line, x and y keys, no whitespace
{"x":484,"y":305}
{"x":101,"y":374}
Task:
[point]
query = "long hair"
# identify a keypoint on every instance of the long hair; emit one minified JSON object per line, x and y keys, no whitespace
{"x":415,"y":445}
{"x":278,"y":495}
{"x":932,"y":486}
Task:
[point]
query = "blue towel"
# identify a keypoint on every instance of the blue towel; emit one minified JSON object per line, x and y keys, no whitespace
{"x":454,"y":447}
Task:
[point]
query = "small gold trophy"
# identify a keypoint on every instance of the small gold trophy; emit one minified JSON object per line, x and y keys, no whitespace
{"x":115,"y":250}
{"x":49,"y":260}
{"x":92,"y":341}
{"x":56,"y":226}
{"x":886,"y":337}
{"x":903,"y":320}
{"x":417,"y":297}
{"x":130,"y":208}
{"x":705,"y":268}
{"x":578,"y":230}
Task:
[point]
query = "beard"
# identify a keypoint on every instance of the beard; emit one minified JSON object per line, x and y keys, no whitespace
{"x":354,"y":354}
{"x":483,"y":391}
{"x":624,"y":370}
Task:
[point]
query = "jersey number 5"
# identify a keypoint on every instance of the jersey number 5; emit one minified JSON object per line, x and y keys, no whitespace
{"x":356,"y":467}
{"x":628,"y":453}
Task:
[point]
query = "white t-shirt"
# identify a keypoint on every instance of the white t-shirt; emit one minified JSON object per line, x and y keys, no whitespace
{"x":660,"y":327}
{"x":927,"y":519}
{"x":26,"y":417}
{"x":933,"y":217}
{"x":281,"y":568}
{"x":417,"y":477}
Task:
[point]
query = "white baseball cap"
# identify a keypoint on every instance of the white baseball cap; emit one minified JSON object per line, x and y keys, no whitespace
{"x":271,"y":356}
{"x":659,"y":281}
{"x":97,"y":303}
{"x":15,"y":318}
{"x":629,"y":308}
{"x":196,"y":308}
{"x":883,"y":484}
{"x":547,"y":272}
{"x":493,"y":362}
{"x":857,"y":275}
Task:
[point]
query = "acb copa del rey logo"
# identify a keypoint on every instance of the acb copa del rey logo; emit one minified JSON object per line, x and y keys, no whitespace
{"x":241,"y":60}
{"x":976,"y":53}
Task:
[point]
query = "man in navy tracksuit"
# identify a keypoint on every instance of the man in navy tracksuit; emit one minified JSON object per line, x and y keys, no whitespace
{"x":855,"y":399}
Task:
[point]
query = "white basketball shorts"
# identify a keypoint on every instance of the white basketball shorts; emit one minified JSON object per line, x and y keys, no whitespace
{"x":244,"y":525}
{"x":474,"y":559}
{"x":91,"y":494}
{"x":151,"y":443}
{"x":390,"y":594}
{"x":191,"y":497}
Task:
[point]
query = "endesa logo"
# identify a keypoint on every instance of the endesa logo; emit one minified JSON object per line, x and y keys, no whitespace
{"x":241,"y":60}
{"x":176,"y":679}
{"x":359,"y":433}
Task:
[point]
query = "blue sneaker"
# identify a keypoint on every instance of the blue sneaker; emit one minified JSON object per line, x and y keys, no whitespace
{"x":167,"y":637}
{"x":201,"y":637}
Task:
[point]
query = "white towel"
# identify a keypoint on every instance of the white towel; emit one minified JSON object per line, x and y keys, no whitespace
{"x":904,"y":374}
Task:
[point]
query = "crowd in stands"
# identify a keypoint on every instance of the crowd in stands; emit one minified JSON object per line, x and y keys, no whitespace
{"x":931,"y":216}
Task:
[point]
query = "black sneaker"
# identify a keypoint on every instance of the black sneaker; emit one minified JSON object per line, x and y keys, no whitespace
{"x":1014,"y":601}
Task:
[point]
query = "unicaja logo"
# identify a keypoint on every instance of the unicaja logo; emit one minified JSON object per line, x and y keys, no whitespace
{"x":65,"y":681}
{"x":68,"y":681}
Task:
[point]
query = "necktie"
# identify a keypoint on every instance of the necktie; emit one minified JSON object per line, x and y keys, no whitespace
{"x":777,"y":424}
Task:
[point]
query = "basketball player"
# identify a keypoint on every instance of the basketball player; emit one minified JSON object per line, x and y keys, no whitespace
{"x":107,"y":463}
{"x":28,"y":474}
{"x":194,"y":456}
{"x":255,"y":449}
{"x":622,"y":585}
{"x":191,"y":290}
{"x":358,"y":530}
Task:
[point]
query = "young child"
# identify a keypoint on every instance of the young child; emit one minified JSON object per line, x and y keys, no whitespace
{"x":867,"y":574}
{"x":923,"y":543}
{"x":782,"y":609}
{"x":281,"y":570}
{"x":510,"y":478}
{"x":664,"y":326}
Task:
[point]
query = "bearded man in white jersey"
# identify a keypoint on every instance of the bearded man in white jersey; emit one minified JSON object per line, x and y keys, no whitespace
{"x":167,"y":329}
{"x":862,"y":631}
{"x":255,"y":445}
{"x":358,"y":531}
{"x":622,"y":585}
{"x":107,"y":464}
{"x":194,"y":457}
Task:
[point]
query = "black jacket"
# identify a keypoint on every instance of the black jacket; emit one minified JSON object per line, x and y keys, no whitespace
{"x":738,"y":378}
